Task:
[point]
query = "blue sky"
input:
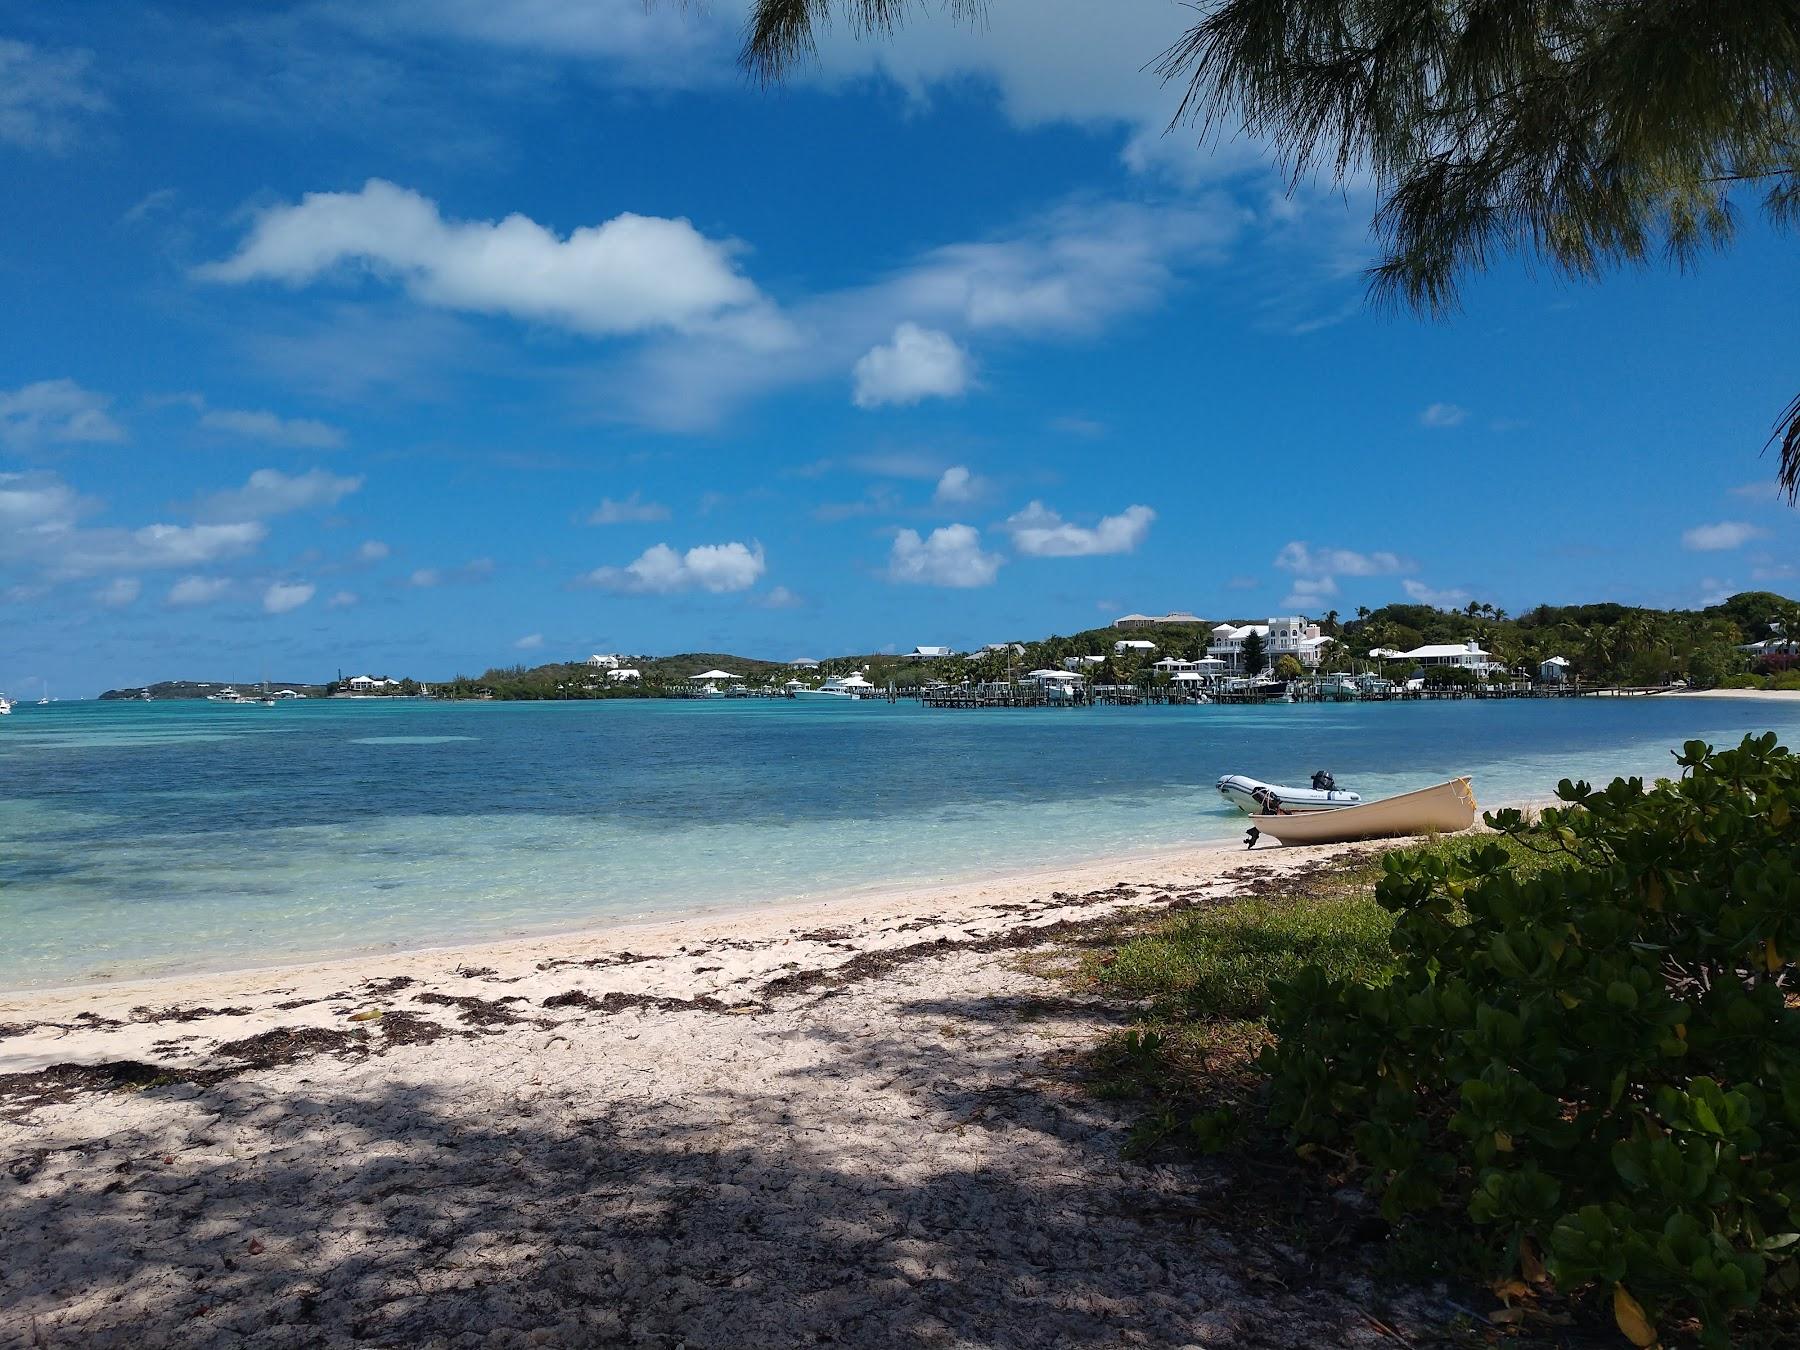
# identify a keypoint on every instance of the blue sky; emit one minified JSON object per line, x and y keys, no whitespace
{"x":423,"y":337}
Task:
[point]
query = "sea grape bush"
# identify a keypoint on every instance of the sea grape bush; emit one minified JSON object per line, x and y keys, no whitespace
{"x":1598,"y":1066}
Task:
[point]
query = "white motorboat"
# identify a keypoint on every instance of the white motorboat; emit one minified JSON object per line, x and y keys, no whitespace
{"x":1253,"y":796}
{"x":5,"y":705}
{"x":1445,"y":809}
{"x":228,"y":695}
{"x":837,"y":687}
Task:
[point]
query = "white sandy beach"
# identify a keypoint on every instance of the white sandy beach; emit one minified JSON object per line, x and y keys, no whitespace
{"x":854,"y":1123}
{"x":1780,"y":695}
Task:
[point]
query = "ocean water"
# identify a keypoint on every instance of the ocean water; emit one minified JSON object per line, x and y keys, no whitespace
{"x":142,"y":838}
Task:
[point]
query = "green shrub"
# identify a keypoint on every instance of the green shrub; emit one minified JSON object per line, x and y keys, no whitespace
{"x":1744,"y":682}
{"x":1596,"y":1065}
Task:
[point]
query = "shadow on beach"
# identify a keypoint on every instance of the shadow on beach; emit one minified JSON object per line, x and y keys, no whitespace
{"x":869,"y":1170}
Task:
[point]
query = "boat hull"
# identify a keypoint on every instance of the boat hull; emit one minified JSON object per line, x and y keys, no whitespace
{"x":1445,"y":809}
{"x":824,"y":695}
{"x":1247,"y":795}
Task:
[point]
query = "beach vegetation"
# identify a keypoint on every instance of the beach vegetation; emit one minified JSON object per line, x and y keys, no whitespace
{"x":1587,"y":135}
{"x":1595,"y":1068}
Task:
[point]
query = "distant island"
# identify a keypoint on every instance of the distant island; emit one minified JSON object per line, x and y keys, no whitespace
{"x":1741,"y":642}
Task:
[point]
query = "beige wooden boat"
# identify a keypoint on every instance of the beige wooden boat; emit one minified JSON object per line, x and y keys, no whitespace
{"x":1443,"y":809}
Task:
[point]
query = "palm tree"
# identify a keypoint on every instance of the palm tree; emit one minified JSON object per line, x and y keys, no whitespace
{"x":1589,"y":133}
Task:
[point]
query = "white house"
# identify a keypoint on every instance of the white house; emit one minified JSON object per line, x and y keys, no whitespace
{"x":1124,"y":645}
{"x":1555,"y":670}
{"x":1777,"y":641}
{"x":1077,"y":662}
{"x":1468,"y":655}
{"x":625,"y":675}
{"x":1290,"y":635}
{"x":928,"y":653}
{"x":604,"y":662}
{"x":367,"y":682}
{"x":803,"y":663}
{"x":1015,"y":648}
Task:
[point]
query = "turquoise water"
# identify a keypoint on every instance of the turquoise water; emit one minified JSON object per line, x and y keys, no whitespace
{"x":142,"y":838}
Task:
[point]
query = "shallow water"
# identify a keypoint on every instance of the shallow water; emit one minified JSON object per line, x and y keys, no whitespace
{"x":141,"y":838}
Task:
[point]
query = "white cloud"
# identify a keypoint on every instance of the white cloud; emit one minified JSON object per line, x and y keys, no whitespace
{"x":660,"y":570}
{"x":342,"y":600}
{"x":949,"y":556}
{"x":1726,"y":534}
{"x":192,"y":591}
{"x":958,"y":487}
{"x":1308,"y":592}
{"x":119,"y":592}
{"x":632,"y":274}
{"x":1443,"y":415}
{"x":633,"y":510}
{"x":530,"y":642}
{"x":1420,"y":593}
{"x":372,"y":550}
{"x":1762,"y":490}
{"x":43,"y":95}
{"x":40,"y":525}
{"x":1042,"y":533}
{"x":1773,"y":571}
{"x":283,"y":596}
{"x":780,"y":597}
{"x":478,"y":569}
{"x":301,"y":432}
{"x":1303,"y":559}
{"x":269,"y":492}
{"x":637,"y":45}
{"x":918,"y":363}
{"x":1064,"y":275}
{"x":55,"y":412}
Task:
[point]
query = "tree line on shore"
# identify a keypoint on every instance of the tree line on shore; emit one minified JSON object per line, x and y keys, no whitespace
{"x":1604,"y":644}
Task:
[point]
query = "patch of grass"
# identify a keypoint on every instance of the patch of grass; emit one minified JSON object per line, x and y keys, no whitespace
{"x":1205,"y":974}
{"x":1219,"y":963}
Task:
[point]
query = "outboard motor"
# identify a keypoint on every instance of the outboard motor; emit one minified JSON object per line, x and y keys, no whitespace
{"x":1322,"y":781}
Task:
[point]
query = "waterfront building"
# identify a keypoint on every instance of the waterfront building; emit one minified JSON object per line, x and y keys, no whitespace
{"x":1555,"y":670}
{"x":1288,"y":635}
{"x":1468,"y":655}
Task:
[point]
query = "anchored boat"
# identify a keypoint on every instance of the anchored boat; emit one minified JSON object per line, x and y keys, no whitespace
{"x":1444,"y":809}
{"x":1252,"y":795}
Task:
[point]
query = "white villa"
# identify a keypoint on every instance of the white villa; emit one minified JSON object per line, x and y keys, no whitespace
{"x":1131,"y":621}
{"x":1290,"y":635}
{"x":928,"y":653}
{"x":1468,"y":655}
{"x":604,"y":662}
{"x":1555,"y":670}
{"x":625,"y":675}
{"x":803,"y":663}
{"x":1077,"y":662}
{"x":1777,"y":641}
{"x":1124,"y":645}
{"x":1174,"y":666}
{"x":365,"y":683}
{"x":1016,"y":648}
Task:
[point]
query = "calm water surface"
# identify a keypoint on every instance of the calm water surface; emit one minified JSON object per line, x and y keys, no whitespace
{"x":141,"y":838}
